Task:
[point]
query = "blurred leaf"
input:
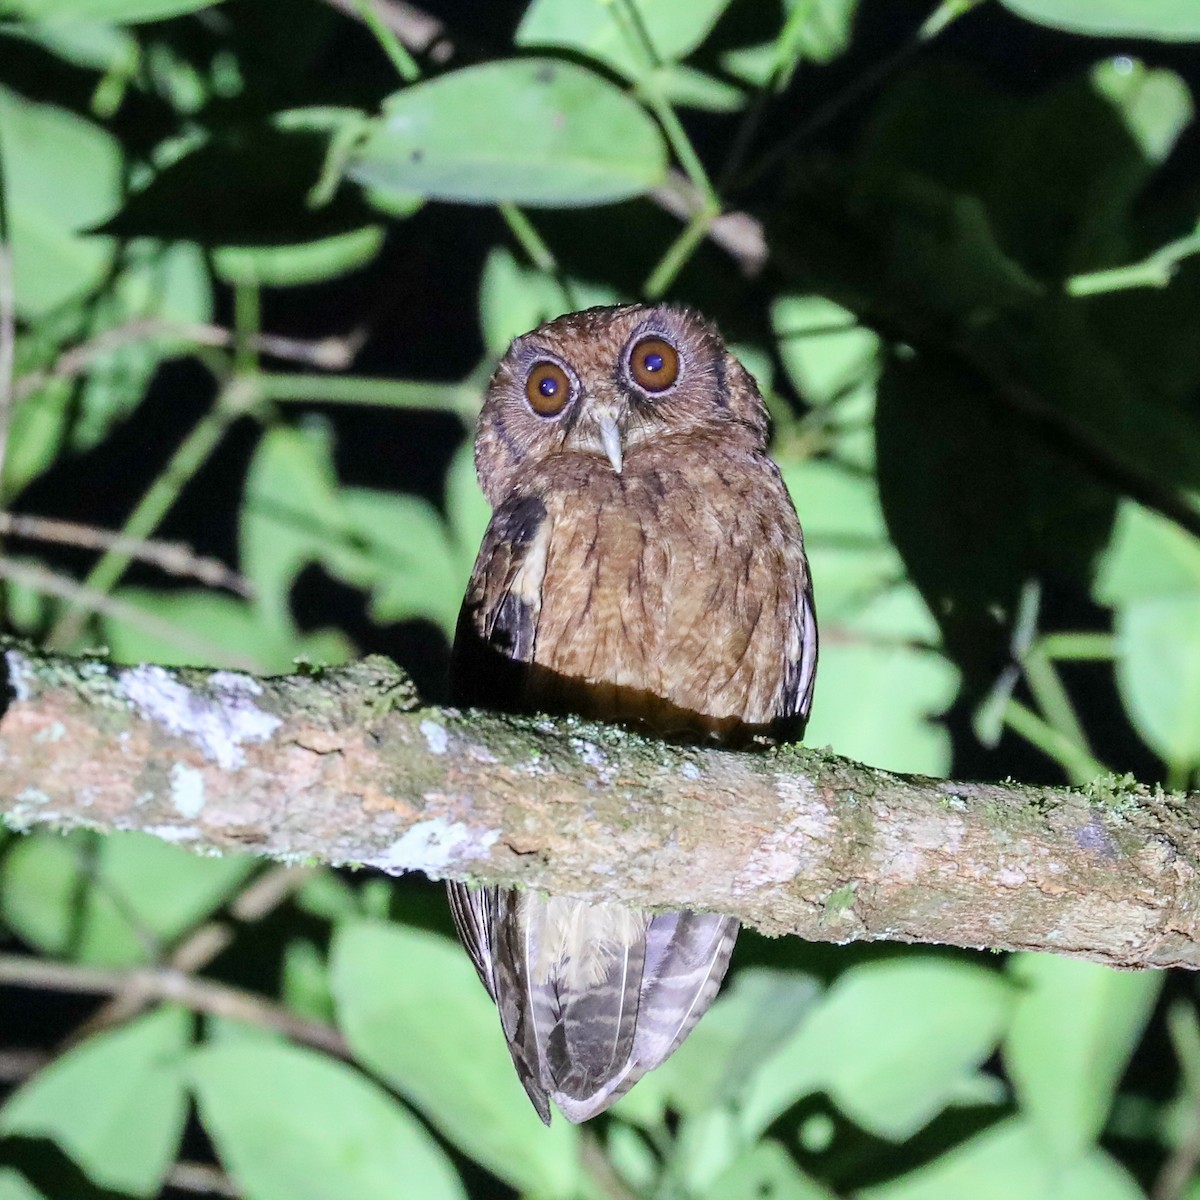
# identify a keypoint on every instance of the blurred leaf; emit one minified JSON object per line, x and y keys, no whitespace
{"x":155,"y":283}
{"x":1158,"y":673}
{"x":290,"y":1124}
{"x":115,"y":900}
{"x":414,"y":1013}
{"x":599,"y":29}
{"x":115,"y":1103}
{"x":890,"y":1043}
{"x":827,"y":353}
{"x":750,"y":1020}
{"x":466,"y":505}
{"x":686,"y":87}
{"x":15,"y":1186}
{"x":305,"y":263}
{"x":1007,"y":1160}
{"x":62,"y":174}
{"x":1074,"y":1026}
{"x":882,"y":705}
{"x":217,"y":631}
{"x":119,"y":12}
{"x":766,"y":1170}
{"x":327,"y":896}
{"x":306,"y":980}
{"x":1148,"y":556}
{"x":568,"y":138}
{"x":514,"y":299}
{"x":879,"y":687}
{"x":93,"y":45}
{"x":292,"y":514}
{"x":417,"y":570}
{"x":1170,"y":20}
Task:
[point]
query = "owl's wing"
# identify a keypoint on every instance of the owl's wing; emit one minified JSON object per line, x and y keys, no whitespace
{"x":497,"y":626}
{"x":800,"y":671}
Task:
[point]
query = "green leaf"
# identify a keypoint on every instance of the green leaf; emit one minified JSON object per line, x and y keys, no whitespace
{"x":1158,"y":673}
{"x":514,"y":299}
{"x":765,"y":1170}
{"x":1147,"y":556}
{"x":415,"y":1014}
{"x":750,"y":1020}
{"x":62,"y":174}
{"x":1074,"y":1027}
{"x":827,"y":353}
{"x":1007,"y":1160}
{"x":599,"y":29}
{"x":15,"y":1186}
{"x":118,"y":12}
{"x":216,"y":631}
{"x":416,"y":570}
{"x":116,"y":1103}
{"x":892,"y":1043}
{"x":291,"y":515}
{"x":114,"y":900}
{"x":289,"y":1124}
{"x":567,"y":137}
{"x":466,"y":505}
{"x":301,"y":264}
{"x":1169,"y":20}
{"x":878,"y":689}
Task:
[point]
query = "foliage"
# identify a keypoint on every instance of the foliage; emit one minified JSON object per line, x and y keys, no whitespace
{"x":262,"y":254}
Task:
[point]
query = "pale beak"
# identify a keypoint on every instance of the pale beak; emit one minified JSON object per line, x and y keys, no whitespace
{"x":610,"y":438}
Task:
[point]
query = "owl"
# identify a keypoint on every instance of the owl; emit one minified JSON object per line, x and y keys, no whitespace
{"x":644,"y":565}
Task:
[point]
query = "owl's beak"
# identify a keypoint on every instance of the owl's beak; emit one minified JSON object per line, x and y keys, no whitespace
{"x":610,"y":439}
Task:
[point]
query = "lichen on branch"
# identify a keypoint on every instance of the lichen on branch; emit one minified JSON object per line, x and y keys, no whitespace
{"x":346,"y":766}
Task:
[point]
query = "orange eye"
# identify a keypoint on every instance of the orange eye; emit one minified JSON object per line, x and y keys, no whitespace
{"x":654,"y":364}
{"x":547,"y":389}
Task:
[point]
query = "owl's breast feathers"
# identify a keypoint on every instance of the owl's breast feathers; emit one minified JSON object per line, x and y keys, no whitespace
{"x":675,"y":595}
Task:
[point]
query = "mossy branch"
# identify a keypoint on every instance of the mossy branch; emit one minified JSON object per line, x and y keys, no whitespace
{"x":346,"y":766}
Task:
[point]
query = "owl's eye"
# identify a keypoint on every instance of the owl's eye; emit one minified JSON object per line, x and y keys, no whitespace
{"x":654,"y":364}
{"x":547,"y":389}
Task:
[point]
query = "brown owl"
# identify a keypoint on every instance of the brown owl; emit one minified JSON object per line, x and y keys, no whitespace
{"x":643,"y":564}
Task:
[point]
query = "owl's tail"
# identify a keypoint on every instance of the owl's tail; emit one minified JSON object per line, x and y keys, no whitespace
{"x":590,"y":996}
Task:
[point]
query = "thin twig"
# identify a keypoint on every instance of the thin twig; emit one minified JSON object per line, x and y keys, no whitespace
{"x":417,"y":29}
{"x":1180,"y":1166}
{"x":193,"y":452}
{"x":88,"y":600}
{"x":203,"y":1178}
{"x":175,"y":558}
{"x":739,"y":234}
{"x":177,"y":987}
{"x":265,"y":893}
{"x":330,"y":354}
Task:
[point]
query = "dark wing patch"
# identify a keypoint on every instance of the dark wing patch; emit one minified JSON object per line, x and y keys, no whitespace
{"x":497,"y":626}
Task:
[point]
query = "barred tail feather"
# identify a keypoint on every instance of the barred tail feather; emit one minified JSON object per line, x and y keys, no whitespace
{"x":590,"y":996}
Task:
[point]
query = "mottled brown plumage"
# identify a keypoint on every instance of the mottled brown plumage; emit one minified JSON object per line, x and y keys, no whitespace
{"x":643,"y":564}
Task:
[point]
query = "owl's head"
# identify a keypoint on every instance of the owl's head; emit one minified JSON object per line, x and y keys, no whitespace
{"x":606,"y":381}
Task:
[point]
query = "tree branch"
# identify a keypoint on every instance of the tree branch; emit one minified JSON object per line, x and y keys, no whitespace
{"x":345,"y":766}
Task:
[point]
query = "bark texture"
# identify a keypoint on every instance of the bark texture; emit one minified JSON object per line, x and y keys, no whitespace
{"x":346,"y":766}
